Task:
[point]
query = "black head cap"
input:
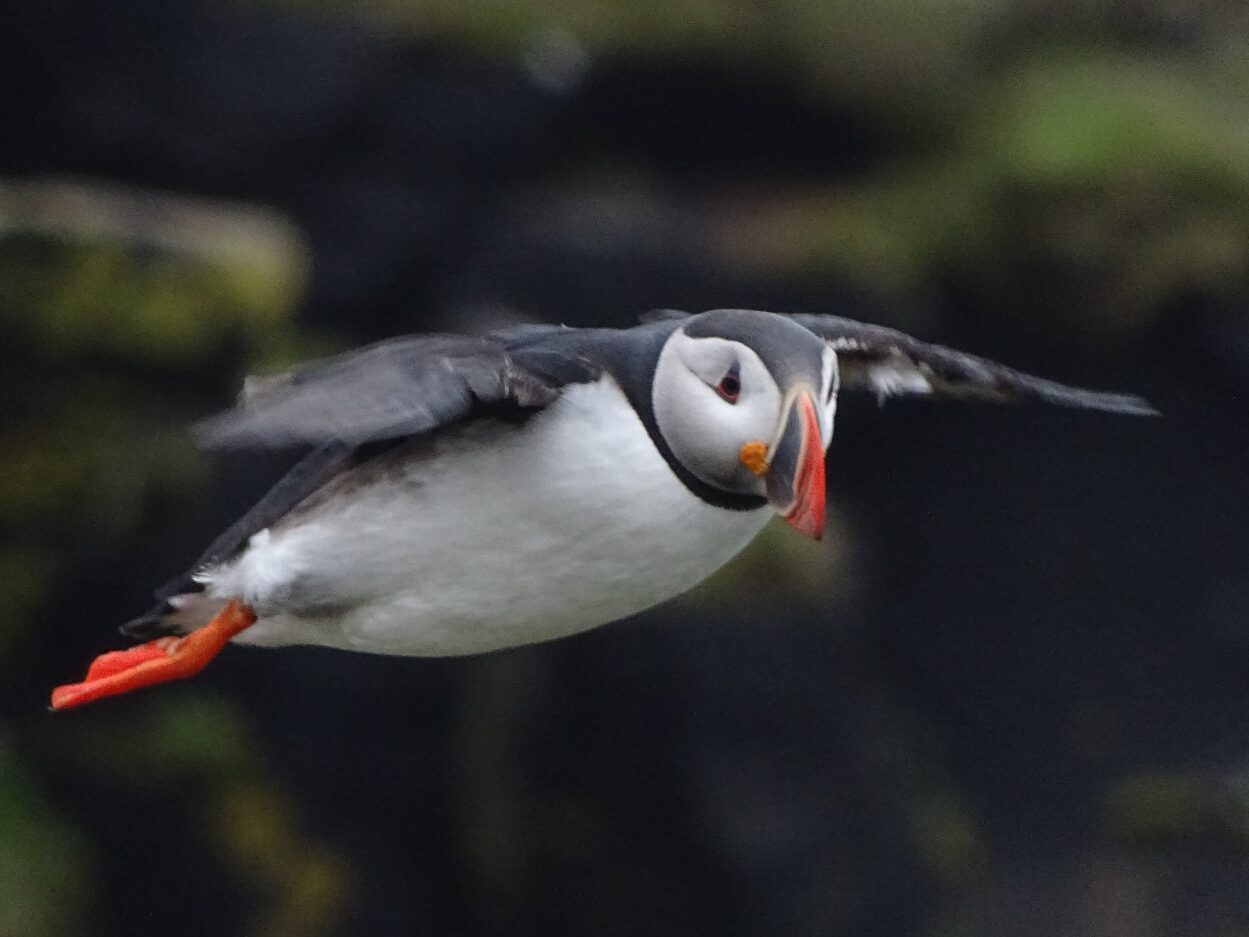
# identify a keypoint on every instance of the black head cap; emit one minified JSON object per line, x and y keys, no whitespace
{"x":790,"y":352}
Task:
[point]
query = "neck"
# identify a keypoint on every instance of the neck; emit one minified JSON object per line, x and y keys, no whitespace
{"x":633,"y":368}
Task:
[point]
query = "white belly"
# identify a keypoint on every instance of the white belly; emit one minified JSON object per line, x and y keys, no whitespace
{"x":500,"y":535}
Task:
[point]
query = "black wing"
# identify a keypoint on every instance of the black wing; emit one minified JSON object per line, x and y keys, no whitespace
{"x":390,"y":390}
{"x":889,"y":363}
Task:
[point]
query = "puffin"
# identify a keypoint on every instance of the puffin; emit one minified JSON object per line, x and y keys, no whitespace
{"x":460,"y":494}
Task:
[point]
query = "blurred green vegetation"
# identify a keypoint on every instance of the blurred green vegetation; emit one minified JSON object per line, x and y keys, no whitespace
{"x":45,"y":866}
{"x":1121,"y":181}
{"x":245,"y":820}
{"x":141,"y":276}
{"x":889,"y":48}
{"x":107,"y":295}
{"x":1099,"y":146}
{"x":1168,"y":809}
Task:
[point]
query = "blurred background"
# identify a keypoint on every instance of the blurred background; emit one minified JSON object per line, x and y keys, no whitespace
{"x":1006,"y":697}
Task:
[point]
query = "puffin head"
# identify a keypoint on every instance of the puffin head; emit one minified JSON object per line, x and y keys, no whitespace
{"x":745,"y":401}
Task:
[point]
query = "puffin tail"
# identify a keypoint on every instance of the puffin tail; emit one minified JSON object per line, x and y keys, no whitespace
{"x":174,"y":615}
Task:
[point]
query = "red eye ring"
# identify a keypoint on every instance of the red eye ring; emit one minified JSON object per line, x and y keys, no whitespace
{"x":730,"y":386}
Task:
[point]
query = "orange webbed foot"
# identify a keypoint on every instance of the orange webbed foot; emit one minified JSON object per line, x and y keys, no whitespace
{"x":115,"y":662}
{"x":156,"y":661}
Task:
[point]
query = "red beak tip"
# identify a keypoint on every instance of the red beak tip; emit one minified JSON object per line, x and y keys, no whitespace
{"x":808,"y":515}
{"x":810,"y":525}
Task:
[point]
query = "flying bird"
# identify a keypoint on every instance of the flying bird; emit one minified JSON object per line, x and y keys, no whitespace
{"x":464,"y":494}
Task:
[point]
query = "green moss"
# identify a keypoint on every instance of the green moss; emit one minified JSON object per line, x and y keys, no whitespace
{"x":138,"y":275}
{"x":1083,"y":120}
{"x":1166,"y":809}
{"x":26,"y":577}
{"x":44,"y":867}
{"x":1121,"y":183}
{"x":947,"y":838}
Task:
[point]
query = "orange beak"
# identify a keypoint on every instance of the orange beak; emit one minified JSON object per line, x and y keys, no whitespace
{"x":794,"y":468}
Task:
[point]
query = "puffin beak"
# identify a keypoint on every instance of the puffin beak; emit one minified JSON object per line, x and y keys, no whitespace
{"x":793,"y":467}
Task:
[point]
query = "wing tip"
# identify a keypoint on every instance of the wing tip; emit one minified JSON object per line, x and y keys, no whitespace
{"x":1104,"y":401}
{"x":1130,"y":405}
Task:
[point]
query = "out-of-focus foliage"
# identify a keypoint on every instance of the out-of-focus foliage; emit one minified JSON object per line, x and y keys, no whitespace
{"x":244,"y":819}
{"x":104,"y":291}
{"x":1122,"y":179}
{"x":1168,"y":810}
{"x":44,"y":863}
{"x":138,"y":275}
{"x":98,"y":279}
{"x":1101,"y":147}
{"x":889,"y":50}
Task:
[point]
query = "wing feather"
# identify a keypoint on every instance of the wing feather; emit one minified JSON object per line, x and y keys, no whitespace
{"x":395,"y":388}
{"x":889,"y":363}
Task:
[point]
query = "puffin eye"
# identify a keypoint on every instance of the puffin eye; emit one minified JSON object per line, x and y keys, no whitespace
{"x":730,"y":385}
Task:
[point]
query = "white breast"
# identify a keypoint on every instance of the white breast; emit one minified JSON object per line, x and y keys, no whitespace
{"x":499,"y":535}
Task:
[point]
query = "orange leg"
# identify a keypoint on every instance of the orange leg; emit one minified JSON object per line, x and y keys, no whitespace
{"x":156,"y":661}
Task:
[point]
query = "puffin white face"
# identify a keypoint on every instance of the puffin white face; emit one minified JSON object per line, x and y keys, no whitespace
{"x":729,"y":422}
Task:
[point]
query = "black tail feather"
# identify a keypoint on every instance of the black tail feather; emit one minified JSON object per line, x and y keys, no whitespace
{"x":154,"y":624}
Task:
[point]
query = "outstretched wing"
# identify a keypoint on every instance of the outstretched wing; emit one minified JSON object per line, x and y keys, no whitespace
{"x":889,"y":363}
{"x":393,"y":389}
